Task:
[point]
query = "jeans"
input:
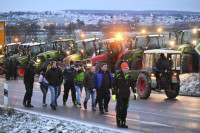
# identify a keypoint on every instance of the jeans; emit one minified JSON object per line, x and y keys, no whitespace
{"x":155,"y":69}
{"x":87,"y":97}
{"x":79,"y":91}
{"x":54,"y":94}
{"x":44,"y":91}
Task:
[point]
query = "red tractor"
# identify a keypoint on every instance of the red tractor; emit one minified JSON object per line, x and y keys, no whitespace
{"x":109,"y":51}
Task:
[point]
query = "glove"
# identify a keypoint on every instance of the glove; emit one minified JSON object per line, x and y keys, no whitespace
{"x":135,"y":96}
{"x":114,"y":97}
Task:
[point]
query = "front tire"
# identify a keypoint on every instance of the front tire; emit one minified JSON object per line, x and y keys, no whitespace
{"x":143,"y":87}
{"x":136,"y":64}
{"x":173,"y":91}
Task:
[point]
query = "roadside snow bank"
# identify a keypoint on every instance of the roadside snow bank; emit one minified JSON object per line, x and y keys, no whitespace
{"x":190,"y":85}
{"x":17,"y":121}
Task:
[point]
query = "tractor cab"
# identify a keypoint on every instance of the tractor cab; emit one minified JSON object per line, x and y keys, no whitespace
{"x":168,"y":79}
{"x":11,"y":49}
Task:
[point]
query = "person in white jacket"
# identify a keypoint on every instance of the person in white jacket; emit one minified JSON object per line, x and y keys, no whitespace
{"x":43,"y":85}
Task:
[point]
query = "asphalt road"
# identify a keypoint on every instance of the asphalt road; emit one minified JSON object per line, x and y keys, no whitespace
{"x":154,"y":115}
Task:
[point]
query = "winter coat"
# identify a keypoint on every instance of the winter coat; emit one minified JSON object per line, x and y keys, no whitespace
{"x":87,"y":82}
{"x":78,"y":80}
{"x":97,"y":80}
{"x":42,"y":80}
{"x":29,"y":74}
{"x":162,"y":63}
{"x":121,"y":84}
{"x":54,"y":76}
{"x":69,"y":74}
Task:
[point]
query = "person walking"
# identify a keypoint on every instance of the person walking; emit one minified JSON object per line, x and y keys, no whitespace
{"x":8,"y":66}
{"x":54,"y":77}
{"x":43,"y":85}
{"x":78,"y":83}
{"x":101,"y":81}
{"x":88,"y":88}
{"x":28,"y":81}
{"x":15,"y":63}
{"x":69,"y":74}
{"x":121,"y":92}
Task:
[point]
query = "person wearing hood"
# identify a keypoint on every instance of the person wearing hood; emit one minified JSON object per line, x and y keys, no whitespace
{"x":122,"y":82}
{"x":69,"y":74}
{"x":28,"y":81}
{"x":88,"y":88}
{"x":78,"y":83}
{"x":54,"y":77}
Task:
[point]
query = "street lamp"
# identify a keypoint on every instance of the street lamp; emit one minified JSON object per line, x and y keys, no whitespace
{"x":159,"y":30}
{"x":16,"y":40}
{"x":143,"y":31}
{"x":82,"y":35}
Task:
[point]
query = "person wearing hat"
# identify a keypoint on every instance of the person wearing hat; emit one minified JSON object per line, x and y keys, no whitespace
{"x":121,"y":92}
{"x":78,"y":82}
{"x":28,"y":81}
{"x":69,"y":74}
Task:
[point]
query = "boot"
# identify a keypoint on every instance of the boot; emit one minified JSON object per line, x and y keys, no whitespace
{"x":85,"y":105}
{"x":124,"y":125}
{"x":24,"y":103}
{"x":119,"y":123}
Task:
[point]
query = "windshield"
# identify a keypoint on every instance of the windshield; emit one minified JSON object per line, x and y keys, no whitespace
{"x":12,"y":49}
{"x":175,"y":61}
{"x":35,"y":49}
{"x":149,"y":43}
{"x":66,"y":45}
{"x":188,"y":37}
{"x":89,"y":48}
{"x":147,"y":62}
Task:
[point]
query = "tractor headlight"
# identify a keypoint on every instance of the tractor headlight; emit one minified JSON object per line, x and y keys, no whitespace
{"x":172,"y":43}
{"x":89,"y":65}
{"x":68,"y":52}
{"x":38,"y":60}
{"x":194,"y":42}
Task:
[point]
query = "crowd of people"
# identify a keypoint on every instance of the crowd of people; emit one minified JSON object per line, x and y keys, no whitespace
{"x":96,"y":83}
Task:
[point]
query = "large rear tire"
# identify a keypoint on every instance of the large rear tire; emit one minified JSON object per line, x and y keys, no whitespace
{"x":173,"y":91}
{"x":187,"y":63}
{"x":136,"y":64}
{"x":143,"y":87}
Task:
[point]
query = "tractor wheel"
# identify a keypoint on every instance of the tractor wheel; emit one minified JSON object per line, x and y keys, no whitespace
{"x":187,"y":63}
{"x":1,"y":70}
{"x":173,"y":91}
{"x":118,"y":65}
{"x":136,"y":64}
{"x":21,"y":71}
{"x":143,"y":87}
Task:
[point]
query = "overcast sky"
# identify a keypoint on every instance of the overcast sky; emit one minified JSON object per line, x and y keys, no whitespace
{"x":137,"y":5}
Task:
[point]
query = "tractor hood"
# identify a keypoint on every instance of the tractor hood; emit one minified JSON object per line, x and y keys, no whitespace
{"x":127,"y":55}
{"x":185,"y":47}
{"x":73,"y":57}
{"x":47,"y":53}
{"x":98,"y":58}
{"x":23,"y":59}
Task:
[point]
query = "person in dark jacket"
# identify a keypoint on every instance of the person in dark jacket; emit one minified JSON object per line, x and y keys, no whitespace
{"x":69,"y":74}
{"x":54,"y":77}
{"x":121,"y":92}
{"x":8,"y":66}
{"x":78,"y":83}
{"x":28,"y":81}
{"x":161,"y":65}
{"x":15,"y":63}
{"x":88,"y":88}
{"x":101,"y":81}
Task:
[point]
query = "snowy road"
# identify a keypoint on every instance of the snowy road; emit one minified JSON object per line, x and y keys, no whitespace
{"x":157,"y":114}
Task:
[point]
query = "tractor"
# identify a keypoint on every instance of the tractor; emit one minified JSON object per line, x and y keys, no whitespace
{"x":168,"y":79}
{"x":10,"y":50}
{"x":28,"y":52}
{"x":186,"y":41}
{"x":136,"y":47}
{"x":109,"y":51}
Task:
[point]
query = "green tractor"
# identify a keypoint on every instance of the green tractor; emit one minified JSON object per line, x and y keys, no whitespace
{"x":85,"y":48}
{"x":28,"y":52}
{"x":136,"y":46}
{"x":10,"y":50}
{"x":168,"y":79}
{"x":57,"y":50}
{"x":187,"y":41}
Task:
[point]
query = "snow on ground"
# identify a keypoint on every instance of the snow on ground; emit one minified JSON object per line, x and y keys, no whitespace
{"x":190,"y":84}
{"x":24,"y":122}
